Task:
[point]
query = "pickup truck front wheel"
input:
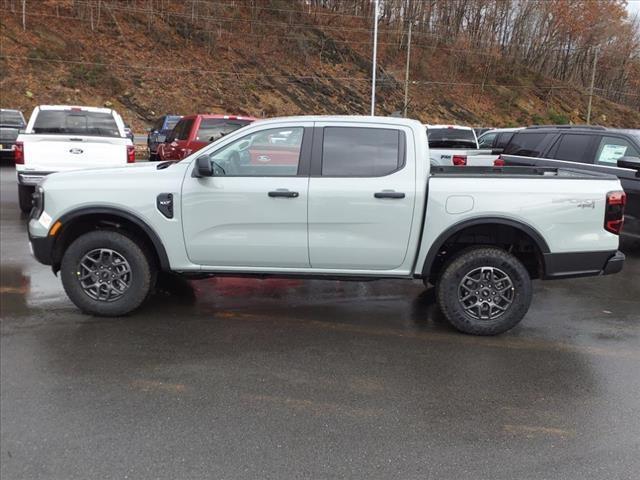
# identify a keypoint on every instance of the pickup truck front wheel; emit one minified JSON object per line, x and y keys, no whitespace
{"x":105,"y":273}
{"x":484,"y":291}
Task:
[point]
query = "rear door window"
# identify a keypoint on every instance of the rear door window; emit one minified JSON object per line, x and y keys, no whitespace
{"x":573,"y":147}
{"x":611,"y":149}
{"x":361,"y":152}
{"x":527,"y":144}
{"x":451,"y":138}
{"x":71,"y":122}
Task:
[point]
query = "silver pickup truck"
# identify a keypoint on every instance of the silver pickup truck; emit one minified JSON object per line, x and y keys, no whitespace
{"x":351,"y":198}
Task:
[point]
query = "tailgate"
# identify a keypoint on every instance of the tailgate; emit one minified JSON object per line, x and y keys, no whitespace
{"x":53,"y":153}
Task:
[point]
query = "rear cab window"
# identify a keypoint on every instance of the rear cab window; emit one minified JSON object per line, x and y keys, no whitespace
{"x":76,"y":122}
{"x":11,"y":118}
{"x":362,"y":152}
{"x":443,"y":137}
{"x":211,"y":129}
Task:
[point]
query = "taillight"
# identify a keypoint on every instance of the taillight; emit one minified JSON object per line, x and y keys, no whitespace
{"x":614,"y":212}
{"x":459,"y":160}
{"x":18,"y":153}
{"x":499,"y":162}
{"x":131,"y":154}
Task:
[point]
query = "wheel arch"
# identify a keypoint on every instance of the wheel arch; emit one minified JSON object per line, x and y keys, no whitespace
{"x":501,"y":224}
{"x":81,"y":220}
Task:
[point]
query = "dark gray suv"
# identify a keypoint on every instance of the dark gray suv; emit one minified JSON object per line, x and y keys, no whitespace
{"x":600,"y":149}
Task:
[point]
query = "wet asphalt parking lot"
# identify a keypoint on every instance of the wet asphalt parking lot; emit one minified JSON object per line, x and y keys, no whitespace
{"x":275,"y":379}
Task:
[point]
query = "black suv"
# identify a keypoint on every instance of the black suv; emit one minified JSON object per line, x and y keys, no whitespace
{"x":600,"y":149}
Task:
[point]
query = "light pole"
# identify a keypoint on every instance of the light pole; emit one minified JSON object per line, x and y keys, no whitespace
{"x":406,"y":73}
{"x":593,"y":79}
{"x":375,"y":51}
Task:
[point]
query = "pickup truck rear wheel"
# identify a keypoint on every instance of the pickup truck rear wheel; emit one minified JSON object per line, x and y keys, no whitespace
{"x":25,"y":194}
{"x":484,"y":291}
{"x":106,"y":273}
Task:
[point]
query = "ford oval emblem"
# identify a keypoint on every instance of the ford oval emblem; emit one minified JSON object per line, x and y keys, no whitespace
{"x":263,"y":158}
{"x":75,"y":150}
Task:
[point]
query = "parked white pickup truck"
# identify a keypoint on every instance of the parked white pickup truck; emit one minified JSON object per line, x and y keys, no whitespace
{"x":59,"y":138}
{"x":350,"y":198}
{"x":457,"y":145}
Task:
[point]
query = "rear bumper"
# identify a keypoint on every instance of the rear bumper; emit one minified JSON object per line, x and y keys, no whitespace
{"x":582,"y":264}
{"x":31,"y":178}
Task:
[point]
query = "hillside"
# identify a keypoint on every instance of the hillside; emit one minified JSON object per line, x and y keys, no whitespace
{"x":266,"y":63}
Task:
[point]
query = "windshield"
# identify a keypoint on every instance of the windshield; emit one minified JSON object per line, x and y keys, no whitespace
{"x":171,"y":122}
{"x":451,"y":138}
{"x":211,"y":129}
{"x":11,"y":117}
{"x":71,"y":122}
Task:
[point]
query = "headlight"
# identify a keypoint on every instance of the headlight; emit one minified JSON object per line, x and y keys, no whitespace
{"x":38,"y":202}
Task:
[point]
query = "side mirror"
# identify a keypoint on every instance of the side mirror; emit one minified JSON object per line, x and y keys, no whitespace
{"x":629,"y":162}
{"x":204,"y":168}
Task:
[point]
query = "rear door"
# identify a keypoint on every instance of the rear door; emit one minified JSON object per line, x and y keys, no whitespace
{"x":361,"y":196}
{"x":74,"y":139}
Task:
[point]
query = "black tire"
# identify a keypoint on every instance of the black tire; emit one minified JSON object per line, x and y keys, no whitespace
{"x":501,"y":311}
{"x":142,"y":277}
{"x":25,"y":195}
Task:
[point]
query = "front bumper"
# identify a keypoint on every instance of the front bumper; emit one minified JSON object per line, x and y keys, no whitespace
{"x":42,"y":248}
{"x":31,"y":178}
{"x":582,"y":264}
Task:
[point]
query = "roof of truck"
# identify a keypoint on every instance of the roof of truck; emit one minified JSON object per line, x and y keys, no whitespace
{"x":456,"y":127}
{"x":344,"y":118}
{"x":75,"y":107}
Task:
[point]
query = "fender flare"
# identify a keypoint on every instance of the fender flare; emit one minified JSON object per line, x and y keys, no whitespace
{"x":436,"y":246}
{"x":76,"y":214}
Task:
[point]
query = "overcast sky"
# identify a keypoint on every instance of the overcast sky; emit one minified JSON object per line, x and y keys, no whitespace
{"x":633,"y":6}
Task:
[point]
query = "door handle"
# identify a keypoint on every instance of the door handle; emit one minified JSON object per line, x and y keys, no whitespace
{"x":388,"y":194}
{"x":283,"y":194}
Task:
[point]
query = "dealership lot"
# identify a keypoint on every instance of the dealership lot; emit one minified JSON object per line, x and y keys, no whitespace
{"x":240,"y":378}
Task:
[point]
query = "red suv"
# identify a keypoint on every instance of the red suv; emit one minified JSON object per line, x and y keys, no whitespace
{"x":194,"y":132}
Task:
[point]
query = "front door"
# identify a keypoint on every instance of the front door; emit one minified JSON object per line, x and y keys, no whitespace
{"x":248,"y":214}
{"x":361,"y":197}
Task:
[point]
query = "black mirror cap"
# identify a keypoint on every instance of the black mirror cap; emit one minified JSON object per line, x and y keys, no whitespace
{"x":629,"y":162}
{"x":203,"y":167}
